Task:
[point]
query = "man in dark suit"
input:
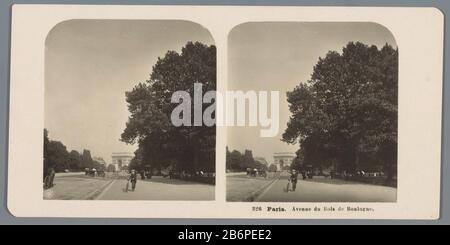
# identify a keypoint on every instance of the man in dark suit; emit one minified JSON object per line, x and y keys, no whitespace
{"x":293,"y":179}
{"x":133,"y":179}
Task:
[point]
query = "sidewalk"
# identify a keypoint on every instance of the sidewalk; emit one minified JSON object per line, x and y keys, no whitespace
{"x":242,"y":188}
{"x":70,"y":187}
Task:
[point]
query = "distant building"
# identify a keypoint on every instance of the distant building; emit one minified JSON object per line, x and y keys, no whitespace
{"x":283,"y":160}
{"x":262,"y":160}
{"x":99,"y":160}
{"x":121,"y":160}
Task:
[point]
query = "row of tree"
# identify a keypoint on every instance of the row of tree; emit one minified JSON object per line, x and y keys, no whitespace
{"x":58,"y":158}
{"x":345,"y":116}
{"x":237,"y":162}
{"x":160,"y":143}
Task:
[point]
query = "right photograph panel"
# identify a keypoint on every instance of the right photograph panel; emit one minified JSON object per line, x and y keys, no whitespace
{"x":321,"y":103}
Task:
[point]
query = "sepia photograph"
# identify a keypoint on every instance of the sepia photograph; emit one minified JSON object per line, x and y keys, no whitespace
{"x":225,"y":112}
{"x":337,"y":115}
{"x":108,"y":103}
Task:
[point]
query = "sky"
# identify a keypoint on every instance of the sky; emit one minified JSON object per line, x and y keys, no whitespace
{"x":279,"y":56}
{"x":90,"y":64}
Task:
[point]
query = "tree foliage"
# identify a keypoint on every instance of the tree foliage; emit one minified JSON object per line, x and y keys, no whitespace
{"x":347,"y":112}
{"x":111,"y":168}
{"x":273,"y":168}
{"x":161,"y":143}
{"x":57,"y":157}
{"x":236,"y":161}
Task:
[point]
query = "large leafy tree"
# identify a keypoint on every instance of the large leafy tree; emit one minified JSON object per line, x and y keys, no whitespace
{"x":347,"y":112}
{"x":57,"y":157}
{"x":86,"y":159}
{"x":149,"y":125}
{"x":74,"y":160}
{"x":46,"y":164}
{"x":236,"y":161}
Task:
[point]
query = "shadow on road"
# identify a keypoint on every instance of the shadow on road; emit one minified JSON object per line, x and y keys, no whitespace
{"x":172,"y":181}
{"x":324,"y":180}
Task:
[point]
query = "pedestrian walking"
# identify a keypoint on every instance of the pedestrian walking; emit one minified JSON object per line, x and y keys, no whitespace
{"x":133,"y":180}
{"x":49,"y":179}
{"x":293,"y":179}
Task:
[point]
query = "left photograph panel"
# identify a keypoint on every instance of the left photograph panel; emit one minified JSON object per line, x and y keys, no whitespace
{"x":126,"y":111}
